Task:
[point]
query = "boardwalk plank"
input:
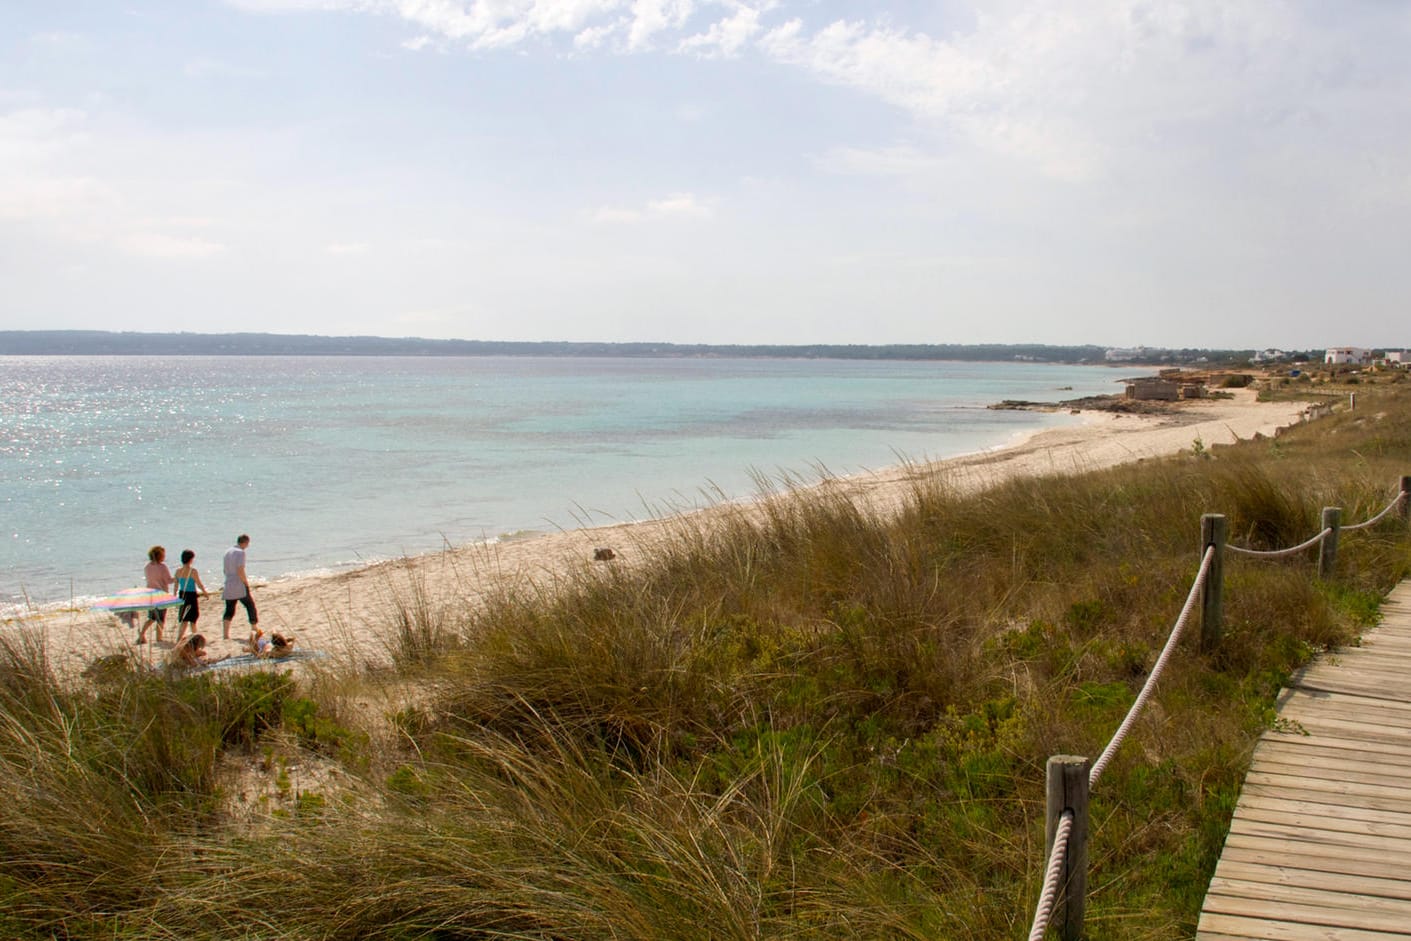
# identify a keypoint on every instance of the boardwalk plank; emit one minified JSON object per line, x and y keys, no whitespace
{"x":1329,"y":857}
{"x":1305,"y":746}
{"x":1385,"y":710}
{"x":1318,"y":725}
{"x":1330,"y":816}
{"x":1381,"y":797}
{"x":1392,"y":752}
{"x":1388,"y":687}
{"x":1352,"y":772}
{"x":1391,"y":924}
{"x":1311,"y":879}
{"x":1302,"y":830}
{"x":1274,"y":853}
{"x":1315,"y":897}
{"x":1218,"y":926}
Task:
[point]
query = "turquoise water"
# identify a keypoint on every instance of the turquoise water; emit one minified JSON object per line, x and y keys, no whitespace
{"x":331,"y":462}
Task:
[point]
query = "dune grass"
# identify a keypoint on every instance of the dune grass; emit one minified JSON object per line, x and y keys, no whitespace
{"x":804,"y":722}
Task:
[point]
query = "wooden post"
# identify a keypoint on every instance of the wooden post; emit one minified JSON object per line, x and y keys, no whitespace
{"x":1212,"y":599}
{"x":1067,"y":777}
{"x":1328,"y":548}
{"x":1406,"y":498}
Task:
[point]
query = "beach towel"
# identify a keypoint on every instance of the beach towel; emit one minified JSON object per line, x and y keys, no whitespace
{"x":250,"y":660}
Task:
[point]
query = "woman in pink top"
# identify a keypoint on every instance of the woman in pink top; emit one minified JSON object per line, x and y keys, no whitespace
{"x":158,"y":577}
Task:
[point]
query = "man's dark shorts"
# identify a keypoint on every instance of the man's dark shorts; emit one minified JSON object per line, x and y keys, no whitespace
{"x":249,"y":604}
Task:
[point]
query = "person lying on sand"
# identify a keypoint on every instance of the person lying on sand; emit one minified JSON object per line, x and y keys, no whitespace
{"x":190,"y":652}
{"x":275,"y":645}
{"x":280,"y":645}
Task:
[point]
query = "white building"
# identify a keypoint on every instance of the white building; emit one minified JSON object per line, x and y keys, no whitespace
{"x":1400,"y":357}
{"x":1345,"y":355}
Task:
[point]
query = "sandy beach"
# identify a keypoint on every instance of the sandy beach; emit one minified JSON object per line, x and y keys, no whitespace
{"x":347,"y":618}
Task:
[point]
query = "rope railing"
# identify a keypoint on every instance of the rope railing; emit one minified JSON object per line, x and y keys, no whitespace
{"x":1070,"y":779}
{"x":1118,"y":737}
{"x":1327,"y":531}
{"x":1280,"y":553}
{"x":1367,"y":524}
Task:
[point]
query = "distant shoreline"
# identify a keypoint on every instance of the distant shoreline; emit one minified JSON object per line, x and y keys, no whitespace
{"x":126,"y":343}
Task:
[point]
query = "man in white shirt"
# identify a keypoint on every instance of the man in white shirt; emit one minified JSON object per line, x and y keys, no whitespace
{"x":237,"y":586}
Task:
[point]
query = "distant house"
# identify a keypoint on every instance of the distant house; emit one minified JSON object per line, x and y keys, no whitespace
{"x":1160,"y":389}
{"x":1346,"y":355}
{"x":1398,"y":357}
{"x":1269,"y":356}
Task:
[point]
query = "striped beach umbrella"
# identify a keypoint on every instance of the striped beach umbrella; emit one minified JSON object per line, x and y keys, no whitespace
{"x":137,"y":599}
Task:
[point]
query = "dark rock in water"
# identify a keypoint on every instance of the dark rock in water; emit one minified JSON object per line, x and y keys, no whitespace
{"x":1096,"y":403}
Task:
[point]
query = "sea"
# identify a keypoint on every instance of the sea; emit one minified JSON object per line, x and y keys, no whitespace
{"x":329,"y":463}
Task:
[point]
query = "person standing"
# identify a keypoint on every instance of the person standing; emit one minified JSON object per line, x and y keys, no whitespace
{"x":237,"y":586}
{"x":188,"y":582}
{"x":158,"y":577}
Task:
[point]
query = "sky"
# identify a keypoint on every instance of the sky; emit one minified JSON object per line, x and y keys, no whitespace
{"x":1118,"y":172}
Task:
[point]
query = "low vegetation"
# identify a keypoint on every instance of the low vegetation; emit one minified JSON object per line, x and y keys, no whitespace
{"x":805,"y":723}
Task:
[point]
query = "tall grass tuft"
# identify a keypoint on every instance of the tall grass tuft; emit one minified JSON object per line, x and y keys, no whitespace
{"x":424,"y":627}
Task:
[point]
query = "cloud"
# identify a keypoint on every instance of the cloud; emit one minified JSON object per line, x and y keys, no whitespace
{"x":215,"y":68}
{"x":636,"y":25}
{"x":899,"y":160}
{"x":52,"y":198}
{"x":676,"y":205}
{"x":35,"y":134}
{"x":594,"y":36}
{"x":494,"y":25}
{"x":59,"y":177}
{"x":726,"y":37}
{"x":616,"y":215}
{"x":162,"y":245}
{"x":679,"y":204}
{"x":60,"y":40}
{"x":301,"y":6}
{"x":650,"y":17}
{"x":37,"y":177}
{"x":347,"y":248}
{"x":1063,"y":89}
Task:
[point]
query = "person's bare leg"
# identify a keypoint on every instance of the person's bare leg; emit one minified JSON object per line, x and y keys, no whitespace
{"x":225,"y":629}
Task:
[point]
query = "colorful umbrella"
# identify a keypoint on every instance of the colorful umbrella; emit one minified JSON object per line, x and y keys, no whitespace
{"x":137,"y":599}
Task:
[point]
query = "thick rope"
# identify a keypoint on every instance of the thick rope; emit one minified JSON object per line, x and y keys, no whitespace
{"x":1156,"y":670}
{"x":1282,"y":553}
{"x":1366,"y":524}
{"x":1049,"y":896}
{"x":1294,"y":550}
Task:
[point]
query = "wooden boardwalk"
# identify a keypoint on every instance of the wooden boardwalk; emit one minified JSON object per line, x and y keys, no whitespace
{"x":1320,"y":844}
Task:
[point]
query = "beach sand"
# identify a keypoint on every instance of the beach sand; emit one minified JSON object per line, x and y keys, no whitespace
{"x":349,"y":617}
